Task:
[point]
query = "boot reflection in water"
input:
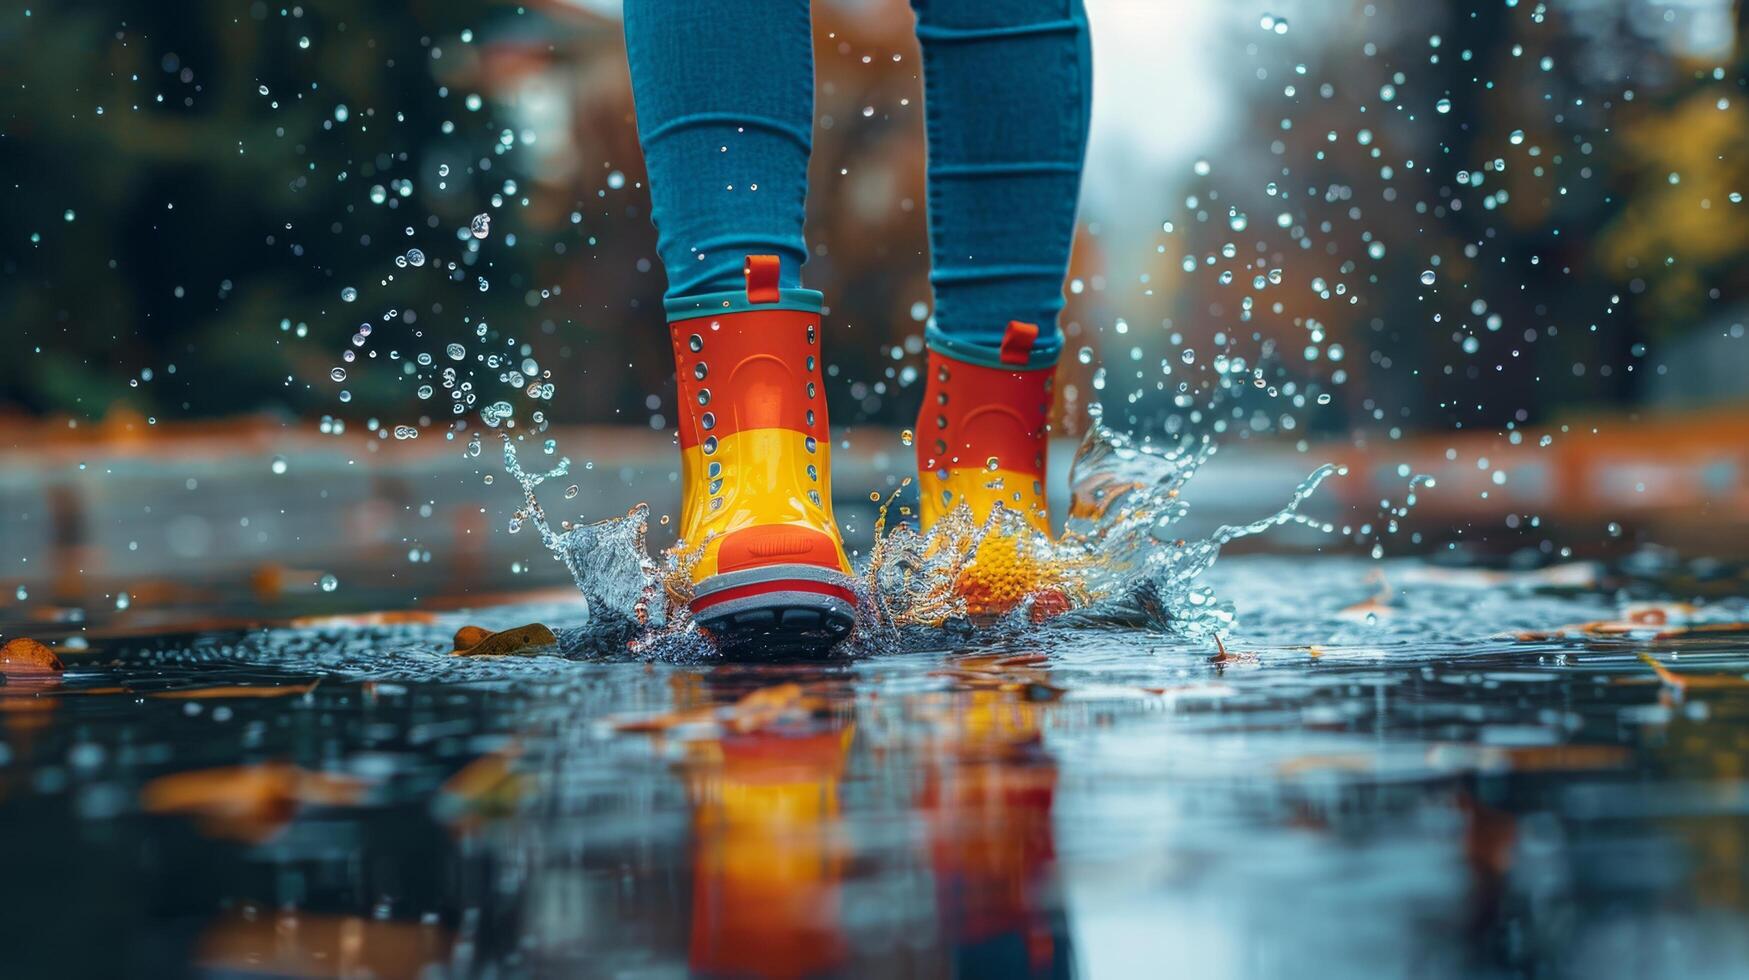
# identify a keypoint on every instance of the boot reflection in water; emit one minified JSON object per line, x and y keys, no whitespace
{"x":767,"y":862}
{"x":988,"y":794}
{"x":724,"y":95}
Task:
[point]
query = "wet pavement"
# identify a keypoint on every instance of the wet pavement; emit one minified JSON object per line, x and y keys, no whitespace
{"x":1418,"y":774}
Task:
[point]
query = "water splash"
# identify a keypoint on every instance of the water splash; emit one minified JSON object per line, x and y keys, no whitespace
{"x":1120,"y":560}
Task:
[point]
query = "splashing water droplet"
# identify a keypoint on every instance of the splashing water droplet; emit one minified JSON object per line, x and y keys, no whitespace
{"x":481,"y":226}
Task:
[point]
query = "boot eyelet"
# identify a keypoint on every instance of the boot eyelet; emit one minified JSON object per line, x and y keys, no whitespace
{"x":714,"y":470}
{"x":695,"y":342}
{"x":708,"y":420}
{"x":813,"y":473}
{"x":716,"y":503}
{"x":810,"y":389}
{"x":941,"y":398}
{"x":941,"y":446}
{"x":811,"y":333}
{"x":704,"y":396}
{"x":811,"y":444}
{"x":814,"y":495}
{"x":710,"y":445}
{"x":941,"y":421}
{"x":941,"y":373}
{"x":716,"y":487}
{"x":810,"y":362}
{"x":699,"y":370}
{"x":810,"y":416}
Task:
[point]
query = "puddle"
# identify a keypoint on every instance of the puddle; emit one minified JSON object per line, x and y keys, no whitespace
{"x":1441,"y":782}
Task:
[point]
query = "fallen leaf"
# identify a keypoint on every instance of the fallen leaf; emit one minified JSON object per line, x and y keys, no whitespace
{"x":25,"y":657}
{"x":533,"y":640}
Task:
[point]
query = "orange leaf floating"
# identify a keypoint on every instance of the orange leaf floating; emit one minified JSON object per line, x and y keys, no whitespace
{"x":533,"y":640}
{"x":25,"y":657}
{"x":247,"y":803}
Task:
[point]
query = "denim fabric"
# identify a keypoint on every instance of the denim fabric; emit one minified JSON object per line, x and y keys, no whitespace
{"x":725,"y":100}
{"x":724,"y":93}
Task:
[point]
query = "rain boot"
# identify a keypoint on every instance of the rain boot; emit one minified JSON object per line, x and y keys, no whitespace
{"x":770,"y":574}
{"x":981,"y":440}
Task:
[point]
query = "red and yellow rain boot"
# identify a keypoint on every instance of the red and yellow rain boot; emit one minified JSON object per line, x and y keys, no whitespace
{"x":756,"y":468}
{"x":981,"y":440}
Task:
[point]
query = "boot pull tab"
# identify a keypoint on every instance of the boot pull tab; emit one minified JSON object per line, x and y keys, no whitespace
{"x":1017,"y":342}
{"x":762,"y":272}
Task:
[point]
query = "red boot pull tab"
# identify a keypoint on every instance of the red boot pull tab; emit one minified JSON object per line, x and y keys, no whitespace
{"x":1017,"y":342}
{"x":762,"y":272}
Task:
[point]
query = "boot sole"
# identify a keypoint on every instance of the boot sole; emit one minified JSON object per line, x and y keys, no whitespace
{"x":776,"y":610}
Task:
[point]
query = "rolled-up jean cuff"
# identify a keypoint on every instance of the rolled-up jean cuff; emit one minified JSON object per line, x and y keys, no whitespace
{"x":1044,"y":353}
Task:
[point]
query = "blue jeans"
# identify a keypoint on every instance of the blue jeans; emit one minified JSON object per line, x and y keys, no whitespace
{"x":725,"y":97}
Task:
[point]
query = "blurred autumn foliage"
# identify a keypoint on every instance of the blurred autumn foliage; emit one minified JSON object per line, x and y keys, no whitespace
{"x":190,"y":188}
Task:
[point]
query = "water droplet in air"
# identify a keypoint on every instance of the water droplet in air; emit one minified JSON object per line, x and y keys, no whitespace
{"x":907,"y":437}
{"x":481,"y":226}
{"x":123,"y":600}
{"x":279,"y":465}
{"x":328,"y":583}
{"x":443,"y":170}
{"x":1427,"y":277}
{"x":348,"y":294}
{"x":456,"y":352}
{"x":992,"y":464}
{"x":571,"y":492}
{"x":1443,"y":106}
{"x":339,"y":373}
{"x":415,"y":257}
{"x":1084,"y":355}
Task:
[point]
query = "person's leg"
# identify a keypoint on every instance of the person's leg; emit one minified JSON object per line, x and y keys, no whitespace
{"x":725,"y":104}
{"x":724,"y":92}
{"x":1007,"y":92}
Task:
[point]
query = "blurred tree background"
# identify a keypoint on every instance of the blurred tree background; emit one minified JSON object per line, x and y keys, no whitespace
{"x":1473,"y":213}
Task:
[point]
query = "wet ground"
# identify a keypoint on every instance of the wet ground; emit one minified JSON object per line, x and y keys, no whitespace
{"x":1412,"y":776}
